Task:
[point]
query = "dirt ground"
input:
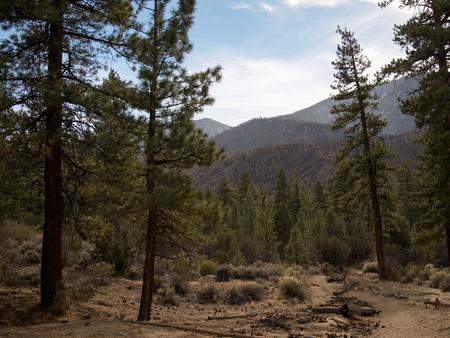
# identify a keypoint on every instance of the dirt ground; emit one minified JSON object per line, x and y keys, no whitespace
{"x":104,"y":312}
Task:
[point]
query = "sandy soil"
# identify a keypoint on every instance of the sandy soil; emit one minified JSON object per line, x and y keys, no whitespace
{"x":104,"y":310}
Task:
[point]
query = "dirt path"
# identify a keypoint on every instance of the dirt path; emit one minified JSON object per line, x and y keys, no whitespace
{"x":403,"y":313}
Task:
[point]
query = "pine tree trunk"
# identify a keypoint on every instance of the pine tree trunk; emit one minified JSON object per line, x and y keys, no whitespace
{"x":51,"y":268}
{"x":378,"y":227}
{"x":149,"y":268}
{"x":447,"y":230}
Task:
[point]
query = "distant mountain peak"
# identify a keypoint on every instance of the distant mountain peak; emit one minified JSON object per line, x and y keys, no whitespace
{"x":388,"y":107}
{"x":211,"y":127}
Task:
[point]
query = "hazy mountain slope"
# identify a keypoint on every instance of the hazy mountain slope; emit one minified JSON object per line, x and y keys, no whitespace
{"x":210,"y":126}
{"x":311,"y":161}
{"x":388,"y":106}
{"x":258,"y":133}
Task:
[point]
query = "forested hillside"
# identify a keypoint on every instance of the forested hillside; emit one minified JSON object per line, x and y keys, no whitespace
{"x":265,"y":132}
{"x":312,"y":159}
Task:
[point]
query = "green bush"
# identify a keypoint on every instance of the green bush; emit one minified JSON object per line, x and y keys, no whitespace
{"x":207,"y":267}
{"x":207,"y":293}
{"x":335,"y":251}
{"x":104,"y":269}
{"x":292,"y":288}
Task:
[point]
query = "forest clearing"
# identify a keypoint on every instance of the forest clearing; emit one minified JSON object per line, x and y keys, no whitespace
{"x":109,"y":310}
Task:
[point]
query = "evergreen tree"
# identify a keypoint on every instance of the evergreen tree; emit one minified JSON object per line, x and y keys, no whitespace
{"x":169,"y":97}
{"x":225,"y":193}
{"x":295,"y":198}
{"x":282,"y":215}
{"x":265,"y":231}
{"x":425,"y":39}
{"x":407,"y":193}
{"x":364,"y":149}
{"x":50,"y":57}
{"x":283,"y":224}
{"x":295,"y":249}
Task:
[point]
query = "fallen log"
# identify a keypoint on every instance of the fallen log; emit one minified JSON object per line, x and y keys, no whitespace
{"x":232,"y":317}
{"x":335,"y":278}
{"x":346,"y":310}
{"x":192,"y":329}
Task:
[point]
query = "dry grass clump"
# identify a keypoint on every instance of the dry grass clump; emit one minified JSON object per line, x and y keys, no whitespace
{"x":207,"y":293}
{"x":441,"y":280}
{"x":257,"y":270}
{"x":167,"y":296}
{"x":245,"y":293}
{"x":292,"y":288}
{"x":436,"y":279}
{"x":370,"y":267}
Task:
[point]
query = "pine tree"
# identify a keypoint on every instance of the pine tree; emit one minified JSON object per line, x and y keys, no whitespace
{"x":224,"y":192}
{"x":52,"y":54}
{"x":364,"y":151}
{"x":295,"y":249}
{"x":282,"y":215}
{"x":265,"y":232}
{"x":425,"y":37}
{"x":169,"y":97}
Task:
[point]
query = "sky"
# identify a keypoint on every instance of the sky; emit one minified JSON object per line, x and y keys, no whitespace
{"x":276,"y":54}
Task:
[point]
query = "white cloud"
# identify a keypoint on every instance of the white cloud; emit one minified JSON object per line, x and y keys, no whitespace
{"x":263,"y":87}
{"x":267,"y":7}
{"x":313,"y":3}
{"x":242,"y":6}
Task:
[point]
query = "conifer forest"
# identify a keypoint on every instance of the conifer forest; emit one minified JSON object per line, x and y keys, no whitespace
{"x":124,"y":211}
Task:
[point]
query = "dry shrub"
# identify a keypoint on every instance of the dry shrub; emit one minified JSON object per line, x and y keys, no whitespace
{"x":180,"y":287}
{"x":292,"y":288}
{"x":245,"y":293}
{"x":441,"y":280}
{"x":223,"y":273}
{"x":328,"y":269}
{"x":30,"y":251}
{"x":167,"y":296}
{"x":257,"y":270}
{"x":370,"y":267}
{"x":103,"y":269}
{"x":436,"y":279}
{"x":207,"y":293}
{"x":423,"y":276}
{"x":134,"y":274}
{"x":444,"y":284}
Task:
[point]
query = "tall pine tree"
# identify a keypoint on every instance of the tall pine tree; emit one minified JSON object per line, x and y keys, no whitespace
{"x":364,"y":151}
{"x":50,"y":57}
{"x":169,"y":97}
{"x":425,"y":39}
